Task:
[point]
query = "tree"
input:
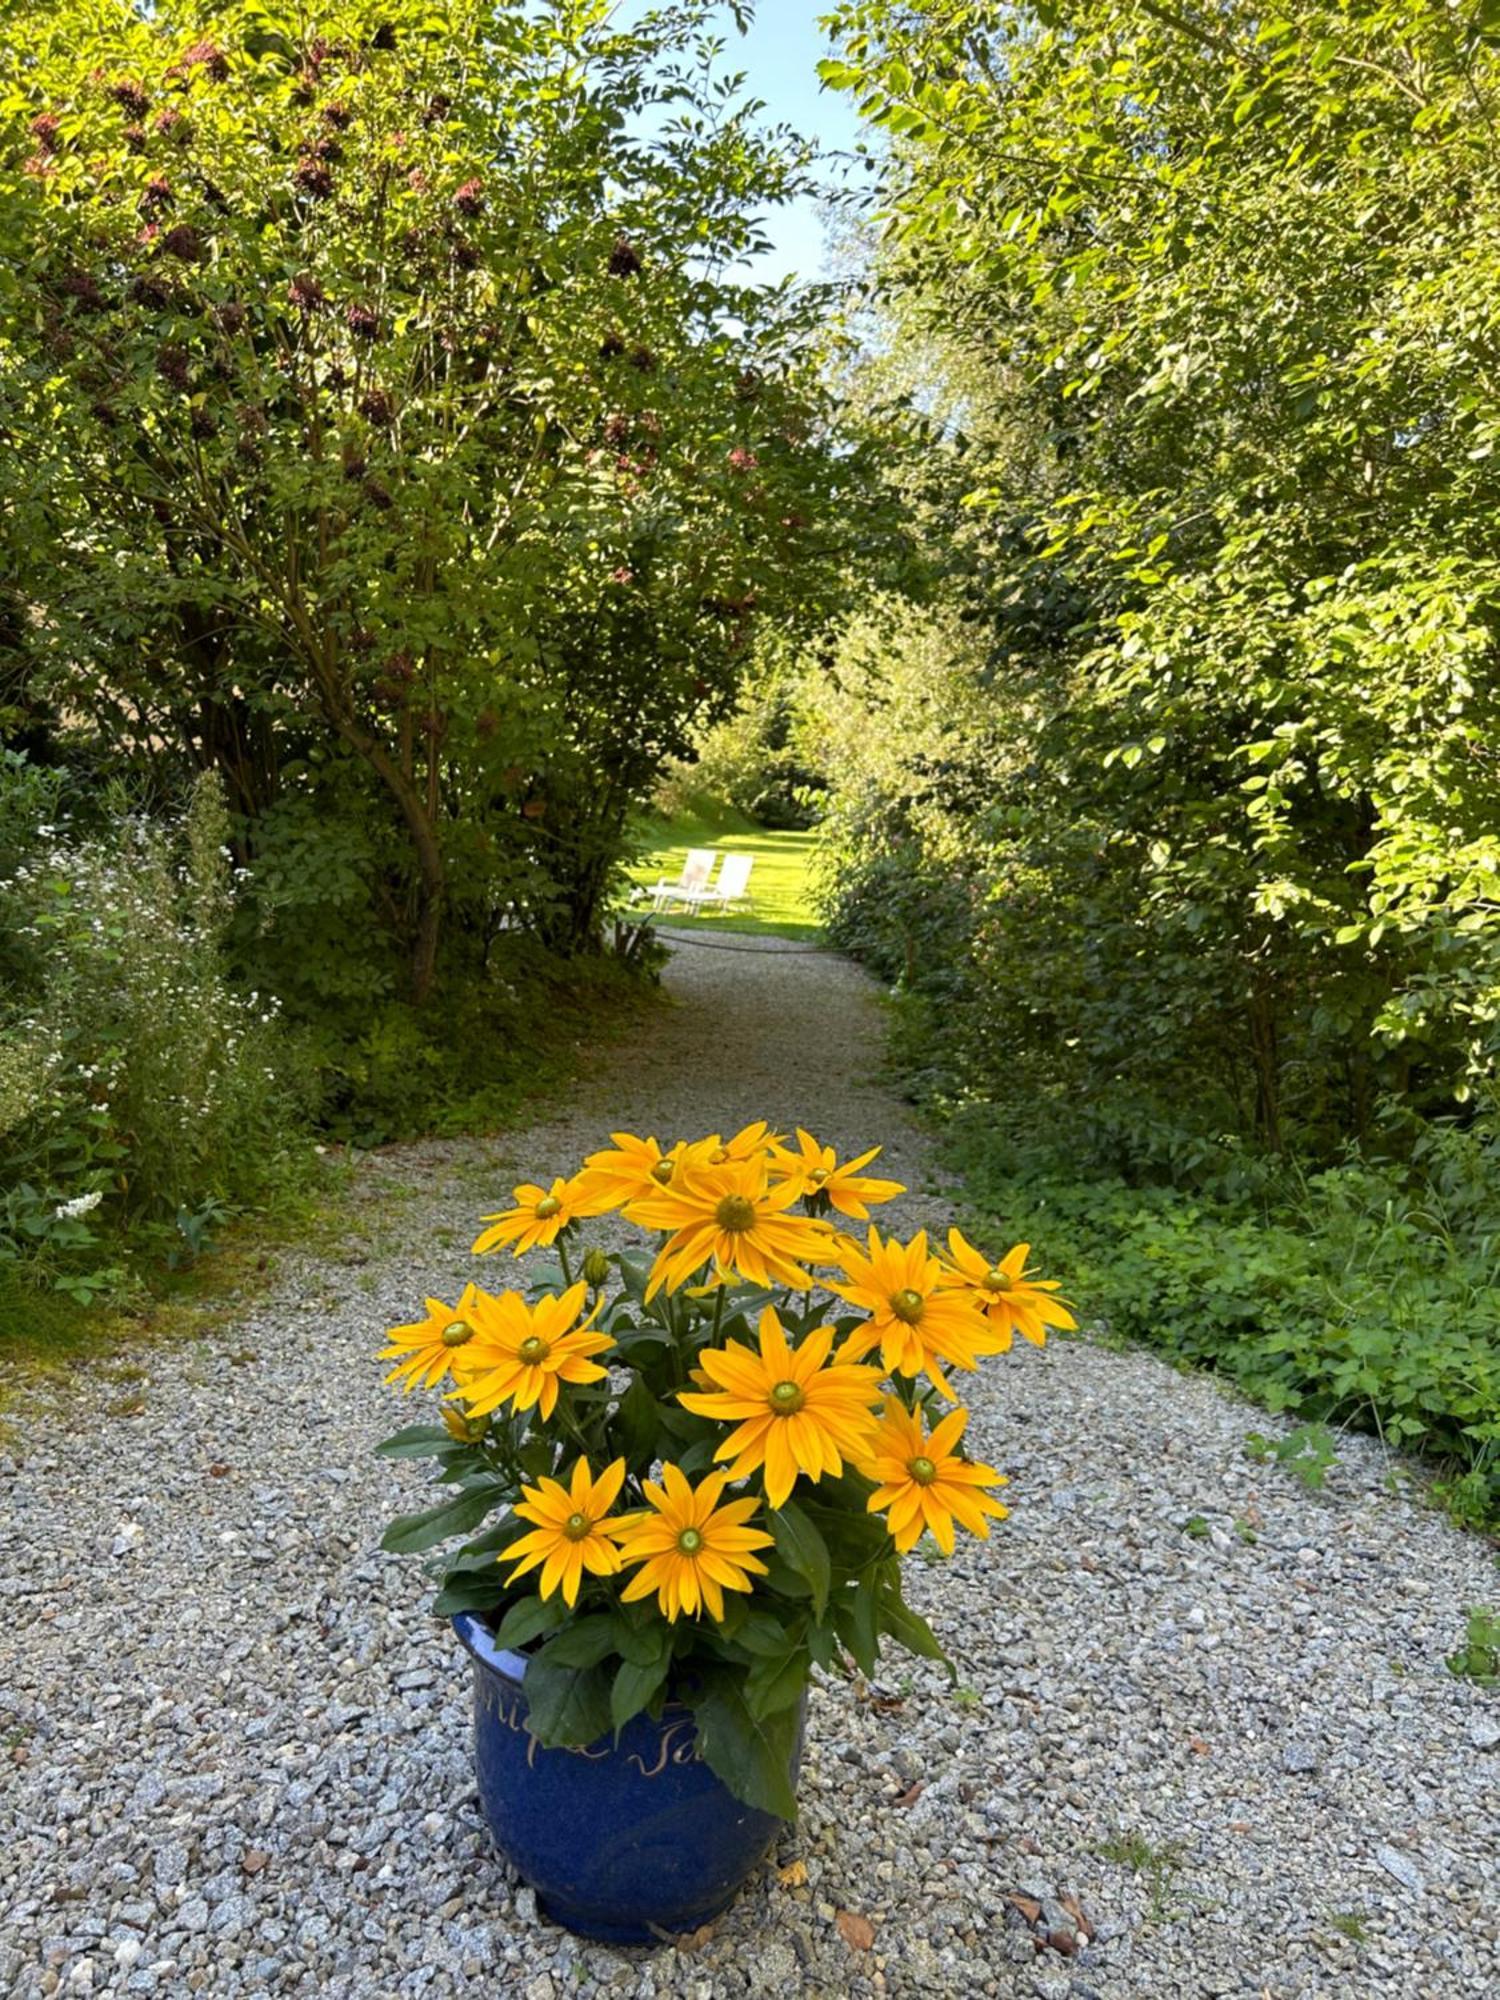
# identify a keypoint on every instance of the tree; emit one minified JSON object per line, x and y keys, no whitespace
{"x":1220,"y":286}
{"x":388,"y":427}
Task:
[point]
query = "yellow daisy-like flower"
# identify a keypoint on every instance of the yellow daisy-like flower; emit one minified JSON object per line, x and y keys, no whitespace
{"x":520,"y":1354}
{"x":573,"y":1531}
{"x":538,"y":1217}
{"x":429,"y":1347}
{"x":795,"y":1415}
{"x":915,"y":1322}
{"x":610,"y":1178}
{"x":691,"y":1550}
{"x":921,"y":1483}
{"x":751,"y":1142}
{"x":730,"y":1217}
{"x":1011,"y":1301}
{"x":816,"y":1170}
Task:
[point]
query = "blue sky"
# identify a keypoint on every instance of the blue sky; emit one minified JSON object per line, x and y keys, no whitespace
{"x":779,"y":56}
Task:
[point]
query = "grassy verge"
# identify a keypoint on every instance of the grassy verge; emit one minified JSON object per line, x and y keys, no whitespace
{"x":779,"y":880}
{"x":49,"y":1344}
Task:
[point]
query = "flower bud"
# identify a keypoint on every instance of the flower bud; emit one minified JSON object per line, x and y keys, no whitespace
{"x":596,"y":1268}
{"x":467,"y":1430}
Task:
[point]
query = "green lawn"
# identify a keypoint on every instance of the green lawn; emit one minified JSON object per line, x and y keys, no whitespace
{"x":778,"y":881}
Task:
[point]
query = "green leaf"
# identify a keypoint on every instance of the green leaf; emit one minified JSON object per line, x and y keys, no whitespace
{"x":839,"y":75}
{"x":417,"y":1441}
{"x":634,"y":1273}
{"x":467,"y":1590}
{"x":909,"y":1629}
{"x":782,"y":1579}
{"x":565,"y":1705}
{"x":763,"y":1633}
{"x":486,"y":1547}
{"x":822,"y":1643}
{"x":412,"y":1533}
{"x":859,"y":1627}
{"x":752,"y":1754}
{"x":636,"y":1424}
{"x":773,"y":1683}
{"x":527,"y":1619}
{"x":635,"y":1685}
{"x":630,"y":1336}
{"x":804,"y":1550}
{"x":642,"y":1640}
{"x":584,"y":1643}
{"x":697,"y":1457}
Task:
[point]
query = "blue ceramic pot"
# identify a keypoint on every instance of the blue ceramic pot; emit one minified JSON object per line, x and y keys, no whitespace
{"x":621,"y":1841}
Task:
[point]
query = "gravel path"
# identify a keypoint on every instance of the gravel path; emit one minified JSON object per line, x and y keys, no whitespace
{"x":235,"y":1752}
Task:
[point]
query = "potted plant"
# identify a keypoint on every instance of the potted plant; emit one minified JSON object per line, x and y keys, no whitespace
{"x":684,"y":1476}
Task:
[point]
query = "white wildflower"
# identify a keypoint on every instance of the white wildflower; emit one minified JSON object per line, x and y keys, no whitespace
{"x":81,"y":1204}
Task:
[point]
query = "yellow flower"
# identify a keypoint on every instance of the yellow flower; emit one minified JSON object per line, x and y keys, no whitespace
{"x":430,"y":1346}
{"x":573,"y":1531}
{"x":521,"y":1353}
{"x":751,"y":1142}
{"x":691,"y":1550}
{"x":794,"y":1414}
{"x":609,"y":1179}
{"x":914,"y":1321}
{"x":730,"y":1217}
{"x":921,"y":1483}
{"x":538,"y":1216}
{"x":1011,"y":1302}
{"x":816,"y":1171}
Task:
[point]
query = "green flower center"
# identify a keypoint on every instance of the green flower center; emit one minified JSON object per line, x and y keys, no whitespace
{"x":456,"y":1332}
{"x":907,"y":1306}
{"x":818,"y":1176}
{"x":661,"y":1173}
{"x":532,"y":1349}
{"x":690,"y":1541}
{"x":547,"y":1207}
{"x":735,"y":1213}
{"x":787,"y":1398}
{"x":998,"y":1281}
{"x":922,"y":1470}
{"x":577,"y":1527}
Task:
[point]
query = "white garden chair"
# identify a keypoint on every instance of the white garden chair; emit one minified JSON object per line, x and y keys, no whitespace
{"x":732,"y":888}
{"x":690,"y":885}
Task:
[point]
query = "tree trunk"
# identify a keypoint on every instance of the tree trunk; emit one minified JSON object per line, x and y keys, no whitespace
{"x":1264,"y":1050}
{"x":432,"y":884}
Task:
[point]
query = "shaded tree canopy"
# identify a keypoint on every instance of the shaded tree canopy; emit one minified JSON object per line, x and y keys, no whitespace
{"x":1213,"y":298}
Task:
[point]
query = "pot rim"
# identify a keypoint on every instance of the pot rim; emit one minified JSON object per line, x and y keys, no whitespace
{"x":477,"y":1638}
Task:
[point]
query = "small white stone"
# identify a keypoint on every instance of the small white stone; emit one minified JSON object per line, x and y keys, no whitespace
{"x":1401,"y":1867}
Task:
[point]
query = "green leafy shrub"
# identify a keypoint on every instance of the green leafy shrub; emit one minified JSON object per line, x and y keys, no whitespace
{"x":1346,"y":1297}
{"x":1478,"y":1658}
{"x":751,"y":761}
{"x":403,"y":1071}
{"x":1230,"y":607}
{"x":138,"y":1090}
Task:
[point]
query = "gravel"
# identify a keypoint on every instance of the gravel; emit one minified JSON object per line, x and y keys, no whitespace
{"x":1225,"y":1759}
